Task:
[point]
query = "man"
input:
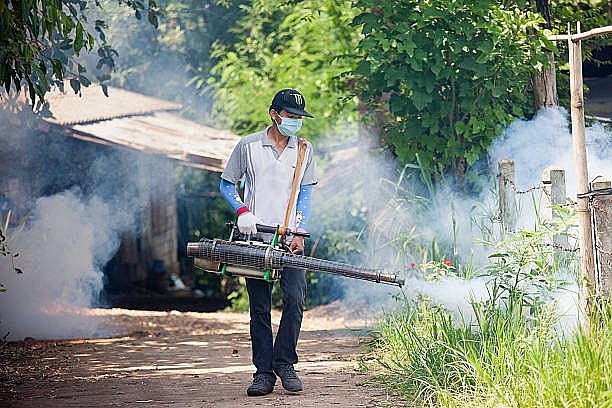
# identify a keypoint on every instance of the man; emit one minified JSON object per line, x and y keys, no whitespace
{"x":268,"y":160}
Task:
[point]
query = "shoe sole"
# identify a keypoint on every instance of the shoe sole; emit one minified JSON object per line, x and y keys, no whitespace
{"x":257,"y":393}
{"x":293,"y":390}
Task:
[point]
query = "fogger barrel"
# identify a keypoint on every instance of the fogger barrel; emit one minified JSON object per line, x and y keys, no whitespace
{"x":259,"y":257}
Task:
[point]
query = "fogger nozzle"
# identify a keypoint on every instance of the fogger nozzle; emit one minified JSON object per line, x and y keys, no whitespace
{"x":268,"y":258}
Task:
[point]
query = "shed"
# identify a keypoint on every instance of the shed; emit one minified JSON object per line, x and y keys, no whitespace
{"x":124,"y":147}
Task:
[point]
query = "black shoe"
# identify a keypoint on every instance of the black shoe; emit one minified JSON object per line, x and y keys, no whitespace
{"x":289,"y":379}
{"x":262,"y":385}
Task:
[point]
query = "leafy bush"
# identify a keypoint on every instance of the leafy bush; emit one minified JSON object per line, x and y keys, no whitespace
{"x":40,"y":41}
{"x":446,"y":76}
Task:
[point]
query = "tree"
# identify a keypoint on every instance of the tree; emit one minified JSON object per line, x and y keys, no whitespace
{"x":172,"y":61}
{"x":557,"y":14}
{"x":304,"y":44}
{"x":41,"y":40}
{"x":545,"y":82}
{"x":591,"y":14}
{"x":448,"y":75}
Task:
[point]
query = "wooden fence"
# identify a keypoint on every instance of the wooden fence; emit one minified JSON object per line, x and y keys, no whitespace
{"x":554,"y":188}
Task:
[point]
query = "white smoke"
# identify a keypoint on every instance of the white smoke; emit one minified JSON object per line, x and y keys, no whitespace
{"x":62,"y":250}
{"x":544,"y":141}
{"x":454,"y":221}
{"x":66,"y":241}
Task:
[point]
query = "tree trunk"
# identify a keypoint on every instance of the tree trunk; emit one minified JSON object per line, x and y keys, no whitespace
{"x":545,"y":85}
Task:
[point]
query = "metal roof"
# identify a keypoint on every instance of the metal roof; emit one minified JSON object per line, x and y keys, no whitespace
{"x":139,"y":122}
{"x":92,"y":105}
{"x":163,"y":133}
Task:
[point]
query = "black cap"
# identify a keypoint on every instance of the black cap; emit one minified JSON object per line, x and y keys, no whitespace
{"x":290,"y":100}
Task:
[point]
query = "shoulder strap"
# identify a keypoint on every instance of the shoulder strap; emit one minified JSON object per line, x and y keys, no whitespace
{"x":296,"y":176}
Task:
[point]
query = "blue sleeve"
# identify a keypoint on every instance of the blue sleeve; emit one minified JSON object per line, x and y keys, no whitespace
{"x":302,"y":214}
{"x":228,"y":191}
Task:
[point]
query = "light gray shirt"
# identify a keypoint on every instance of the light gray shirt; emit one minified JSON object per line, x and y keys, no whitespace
{"x":269,"y":176}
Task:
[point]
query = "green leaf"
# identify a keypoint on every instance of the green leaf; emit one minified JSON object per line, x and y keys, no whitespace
{"x":460,"y":128}
{"x":368,"y":20}
{"x":78,"y":38}
{"x":84,"y":80}
{"x":421,"y":100}
{"x":152,"y":17}
{"x":75,"y":85}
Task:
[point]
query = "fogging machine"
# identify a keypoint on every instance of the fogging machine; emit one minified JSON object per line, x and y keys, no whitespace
{"x":251,"y":258}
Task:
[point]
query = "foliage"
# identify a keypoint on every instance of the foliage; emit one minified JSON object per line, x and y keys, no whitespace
{"x":499,"y":360}
{"x":41,"y":40}
{"x":523,"y":268}
{"x":512,"y":351}
{"x":445,"y":77}
{"x":283,"y":44}
{"x":173,"y":60}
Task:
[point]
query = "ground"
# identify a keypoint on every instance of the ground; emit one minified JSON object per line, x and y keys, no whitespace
{"x":187,"y":359}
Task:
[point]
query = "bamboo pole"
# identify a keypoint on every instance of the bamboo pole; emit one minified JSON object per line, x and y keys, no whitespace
{"x":582,"y":36}
{"x":582,"y":176}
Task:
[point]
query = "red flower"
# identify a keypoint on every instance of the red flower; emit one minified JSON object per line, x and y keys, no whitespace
{"x":412,"y":264}
{"x":448,"y":262}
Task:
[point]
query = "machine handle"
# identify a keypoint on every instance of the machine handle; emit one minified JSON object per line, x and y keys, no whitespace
{"x":282,"y":231}
{"x":271,"y":230}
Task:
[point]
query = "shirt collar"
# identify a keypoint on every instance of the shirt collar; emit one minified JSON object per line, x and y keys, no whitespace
{"x":292,"y":143}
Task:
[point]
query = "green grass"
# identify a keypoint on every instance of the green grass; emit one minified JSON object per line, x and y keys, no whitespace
{"x":503,"y":359}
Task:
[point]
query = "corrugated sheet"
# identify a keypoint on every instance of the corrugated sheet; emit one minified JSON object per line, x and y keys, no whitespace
{"x":132,"y":120}
{"x":69,"y":108}
{"x":163,"y":133}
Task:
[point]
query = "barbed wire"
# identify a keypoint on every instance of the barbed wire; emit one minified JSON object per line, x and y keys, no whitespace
{"x":596,"y":206}
{"x":530,"y":189}
{"x":561,"y":247}
{"x":537,"y":187}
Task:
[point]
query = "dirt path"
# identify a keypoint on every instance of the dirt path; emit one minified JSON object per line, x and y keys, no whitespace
{"x":185,"y":360}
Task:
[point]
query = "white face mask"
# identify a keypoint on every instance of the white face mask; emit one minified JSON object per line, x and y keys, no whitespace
{"x":289,"y":126}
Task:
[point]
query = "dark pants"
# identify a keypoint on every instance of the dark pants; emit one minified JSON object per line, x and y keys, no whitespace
{"x":269,"y":354}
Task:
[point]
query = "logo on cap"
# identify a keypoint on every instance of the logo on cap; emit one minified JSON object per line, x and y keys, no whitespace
{"x":298,"y":99}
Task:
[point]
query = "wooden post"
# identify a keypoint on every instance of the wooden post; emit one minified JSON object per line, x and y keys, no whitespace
{"x":577,"y":108}
{"x":553,"y":179}
{"x":582,"y":176}
{"x":507,"y":195}
{"x":602,"y":208}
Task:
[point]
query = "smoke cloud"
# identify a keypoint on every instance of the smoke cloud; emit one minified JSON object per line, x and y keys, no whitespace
{"x":545,"y":141}
{"x":62,"y":250}
{"x":451,"y":225}
{"x":74,"y":201}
